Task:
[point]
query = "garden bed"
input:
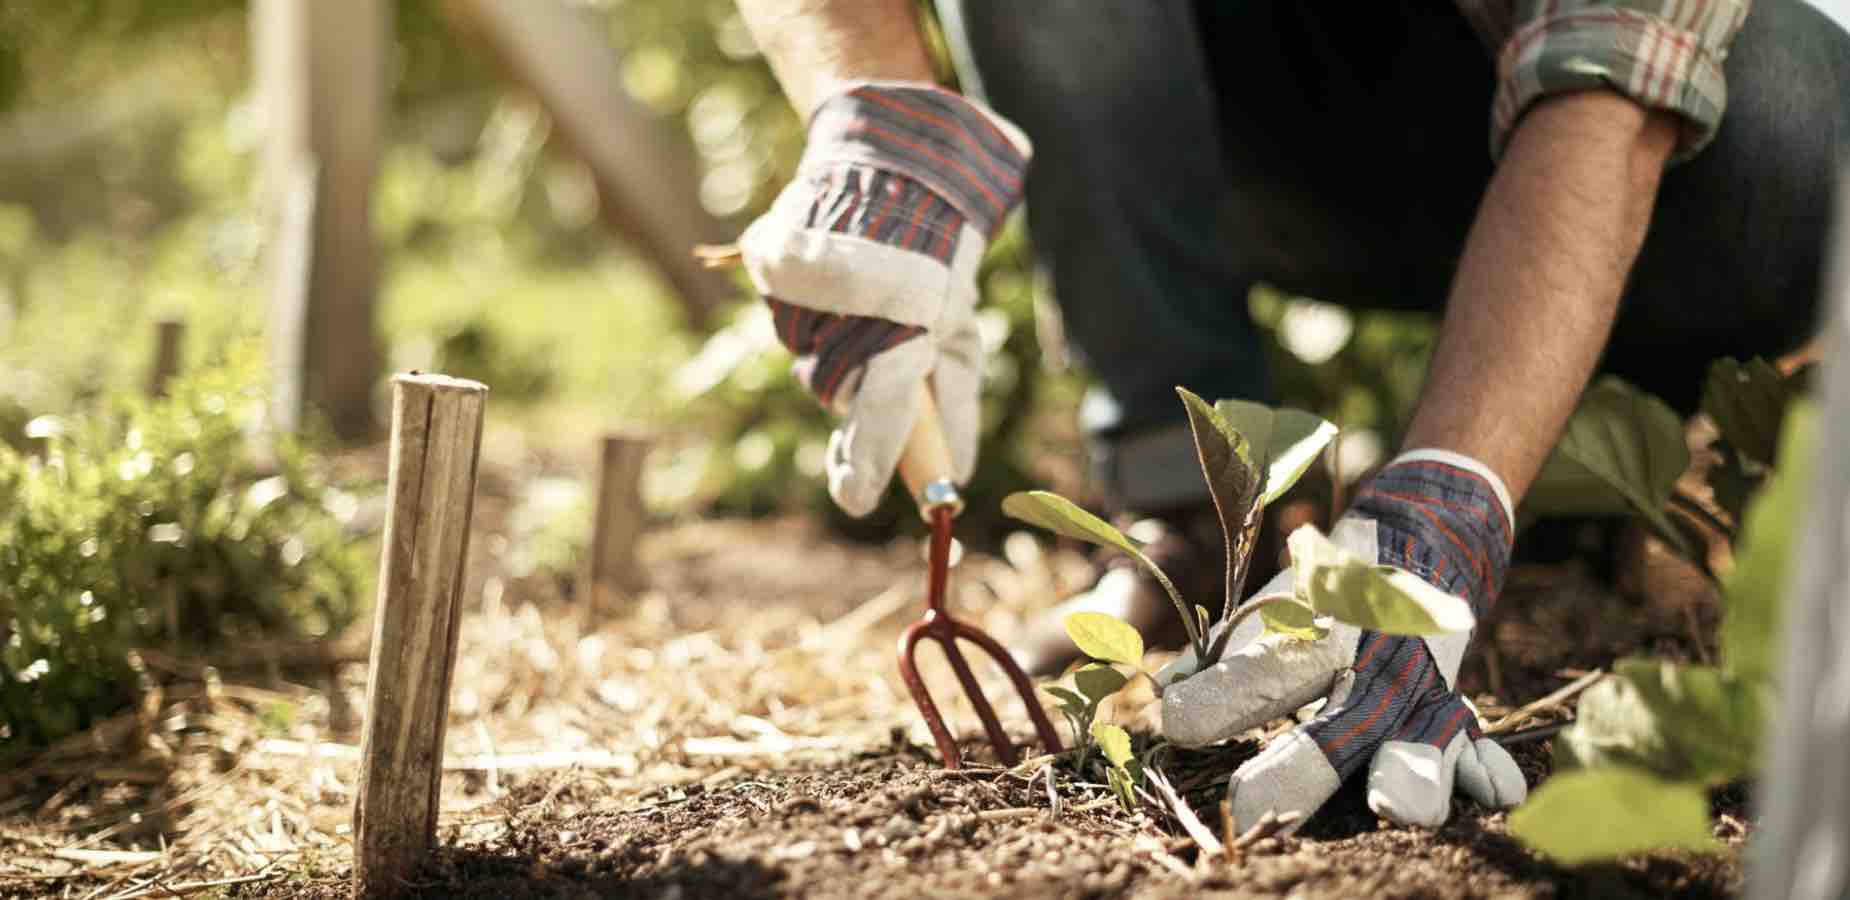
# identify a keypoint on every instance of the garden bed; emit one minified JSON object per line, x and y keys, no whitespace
{"x":739,"y":730}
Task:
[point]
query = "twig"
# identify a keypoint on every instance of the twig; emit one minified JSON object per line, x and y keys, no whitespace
{"x":1005,"y":815}
{"x":1555,"y":699}
{"x":181,"y":890}
{"x":1268,"y":825}
{"x":1053,"y":796}
{"x":1524,"y":736}
{"x":1184,"y":815}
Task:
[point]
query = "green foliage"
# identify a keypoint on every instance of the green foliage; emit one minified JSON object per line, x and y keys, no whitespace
{"x":1600,"y":814}
{"x":154,"y":524}
{"x":1095,"y":681}
{"x":1104,"y":637}
{"x":1284,"y":441}
{"x":1623,"y":452}
{"x":1750,"y":627}
{"x":1332,"y":582}
{"x":1655,"y":735}
{"x":1125,"y":772}
{"x":1329,"y":581}
{"x":1748,"y":401}
{"x":1235,"y":482}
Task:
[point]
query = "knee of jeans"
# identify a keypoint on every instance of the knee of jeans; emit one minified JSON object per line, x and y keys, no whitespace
{"x":1753,"y":210}
{"x":1788,"y":112}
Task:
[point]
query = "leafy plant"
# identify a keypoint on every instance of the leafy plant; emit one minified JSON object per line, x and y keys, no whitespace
{"x":1243,"y":475}
{"x":155,"y":524}
{"x":1246,"y":467}
{"x":1656,"y":735}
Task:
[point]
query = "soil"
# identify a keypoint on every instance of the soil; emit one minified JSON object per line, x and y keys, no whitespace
{"x":762,"y":747}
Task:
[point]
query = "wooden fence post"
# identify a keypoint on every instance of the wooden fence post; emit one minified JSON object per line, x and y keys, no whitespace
{"x":1802,"y":849}
{"x":617,"y":524}
{"x":168,"y":334}
{"x":436,"y":439}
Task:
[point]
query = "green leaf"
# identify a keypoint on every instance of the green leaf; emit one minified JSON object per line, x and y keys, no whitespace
{"x":1684,"y":722}
{"x":1103,"y":637}
{"x":1285,"y":442}
{"x":1622,"y":452}
{"x":1335,"y":583}
{"x":1289,"y":617}
{"x":1114,"y":742}
{"x":1604,"y":814}
{"x":1769,"y":537}
{"x":1098,"y":681}
{"x":1748,"y":401}
{"x":1061,"y":516}
{"x":1071,"y":703}
{"x":1234,"y":480}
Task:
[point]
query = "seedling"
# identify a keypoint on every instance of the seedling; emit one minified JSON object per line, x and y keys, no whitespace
{"x":1247,"y":466}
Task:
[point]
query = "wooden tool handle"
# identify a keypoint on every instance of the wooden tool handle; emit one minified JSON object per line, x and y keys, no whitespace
{"x":925,"y":463}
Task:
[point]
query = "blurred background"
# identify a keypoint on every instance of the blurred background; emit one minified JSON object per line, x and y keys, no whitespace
{"x":322,"y":193}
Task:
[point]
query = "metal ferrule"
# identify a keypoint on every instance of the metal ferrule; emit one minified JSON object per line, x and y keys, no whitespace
{"x":940,"y":494}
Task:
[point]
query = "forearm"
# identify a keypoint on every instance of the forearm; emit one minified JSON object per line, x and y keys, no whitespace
{"x":814,"y":46}
{"x":1539,"y":283}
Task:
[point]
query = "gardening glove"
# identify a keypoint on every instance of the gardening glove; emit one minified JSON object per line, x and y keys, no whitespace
{"x":868,"y":261}
{"x":1390,"y":701}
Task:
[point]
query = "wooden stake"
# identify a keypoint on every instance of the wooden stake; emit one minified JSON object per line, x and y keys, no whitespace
{"x":168,"y":334}
{"x":617,"y":524}
{"x":436,"y":439}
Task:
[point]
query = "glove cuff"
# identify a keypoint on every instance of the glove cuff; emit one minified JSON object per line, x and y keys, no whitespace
{"x":1444,"y":517}
{"x":969,"y":157}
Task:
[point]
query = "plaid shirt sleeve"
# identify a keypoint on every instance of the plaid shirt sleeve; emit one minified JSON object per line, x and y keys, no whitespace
{"x":1664,"y":54}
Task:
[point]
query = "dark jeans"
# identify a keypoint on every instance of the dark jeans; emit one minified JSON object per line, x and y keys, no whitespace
{"x":1185,"y":151}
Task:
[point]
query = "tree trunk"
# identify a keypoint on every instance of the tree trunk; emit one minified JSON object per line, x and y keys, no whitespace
{"x":647,"y":180}
{"x":322,"y":82}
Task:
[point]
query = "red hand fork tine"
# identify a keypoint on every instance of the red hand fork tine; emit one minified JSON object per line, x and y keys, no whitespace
{"x":926,"y":468}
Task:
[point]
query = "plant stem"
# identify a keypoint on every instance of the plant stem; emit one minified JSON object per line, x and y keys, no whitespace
{"x":1220,"y":644}
{"x":1195,"y":638}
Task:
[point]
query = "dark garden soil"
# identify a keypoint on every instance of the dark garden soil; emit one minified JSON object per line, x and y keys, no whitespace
{"x":737,"y":731}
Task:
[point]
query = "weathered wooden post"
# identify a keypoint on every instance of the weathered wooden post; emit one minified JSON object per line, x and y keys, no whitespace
{"x":168,"y":333}
{"x":1803,"y":847}
{"x":436,"y":438}
{"x":617,"y":524}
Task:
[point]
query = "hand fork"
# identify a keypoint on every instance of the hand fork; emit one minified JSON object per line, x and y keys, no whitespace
{"x":925,"y":466}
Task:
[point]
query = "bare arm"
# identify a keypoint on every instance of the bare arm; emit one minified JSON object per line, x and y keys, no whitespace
{"x":1539,"y":283}
{"x":815,"y":45}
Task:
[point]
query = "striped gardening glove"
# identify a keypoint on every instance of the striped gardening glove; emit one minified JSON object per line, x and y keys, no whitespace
{"x":868,"y":261}
{"x":1390,"y":701}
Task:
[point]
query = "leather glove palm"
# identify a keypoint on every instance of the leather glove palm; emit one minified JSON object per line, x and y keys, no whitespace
{"x":868,"y":261}
{"x":1390,"y":701}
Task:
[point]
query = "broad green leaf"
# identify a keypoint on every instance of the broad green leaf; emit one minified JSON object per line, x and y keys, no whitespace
{"x":1234,"y":480}
{"x":1604,"y":814}
{"x":1622,"y":452}
{"x":1114,"y":742}
{"x":1292,"y":618}
{"x":1061,"y":516}
{"x":1103,"y":637}
{"x":1748,"y":402}
{"x":1684,"y":722}
{"x":1769,"y":537}
{"x":1284,"y":441}
{"x":1337,"y":584}
{"x":1098,"y":681}
{"x":1069,"y":702}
